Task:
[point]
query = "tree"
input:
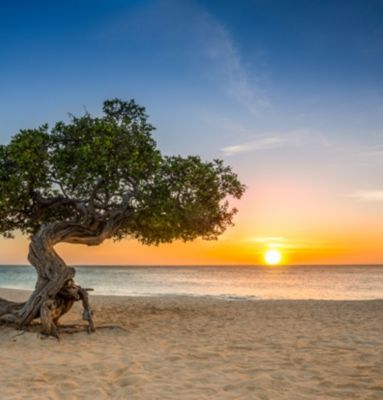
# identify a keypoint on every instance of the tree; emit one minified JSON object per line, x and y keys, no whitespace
{"x":97,"y":178}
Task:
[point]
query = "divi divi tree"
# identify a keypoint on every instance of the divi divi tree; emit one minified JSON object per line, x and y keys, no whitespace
{"x":98,"y":178}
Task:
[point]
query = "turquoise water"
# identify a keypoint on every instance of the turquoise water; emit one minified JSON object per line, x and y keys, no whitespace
{"x":308,"y":282}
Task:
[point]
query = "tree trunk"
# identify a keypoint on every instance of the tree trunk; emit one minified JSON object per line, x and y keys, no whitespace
{"x":55,"y":290}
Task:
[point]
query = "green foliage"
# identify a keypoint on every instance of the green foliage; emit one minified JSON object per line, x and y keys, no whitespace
{"x":95,"y":166}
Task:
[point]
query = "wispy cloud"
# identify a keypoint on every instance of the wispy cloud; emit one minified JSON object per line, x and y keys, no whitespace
{"x":224,"y":53}
{"x":367,"y":195}
{"x":267,"y":239}
{"x":276,"y":140}
{"x":263,"y":143}
{"x":373,"y":151}
{"x":365,"y":150}
{"x":282,"y":242}
{"x":209,"y":43}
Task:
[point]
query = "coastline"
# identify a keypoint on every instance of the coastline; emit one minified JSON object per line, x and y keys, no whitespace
{"x":172,"y":347}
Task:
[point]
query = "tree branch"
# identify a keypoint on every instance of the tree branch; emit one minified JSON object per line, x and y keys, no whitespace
{"x":61,"y":187}
{"x":44,"y":203}
{"x":93,"y":195}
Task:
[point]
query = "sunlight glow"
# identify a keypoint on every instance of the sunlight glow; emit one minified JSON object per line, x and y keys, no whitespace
{"x":273,"y":257}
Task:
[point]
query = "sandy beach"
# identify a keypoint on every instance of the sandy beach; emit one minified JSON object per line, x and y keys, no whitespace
{"x":201,"y":348}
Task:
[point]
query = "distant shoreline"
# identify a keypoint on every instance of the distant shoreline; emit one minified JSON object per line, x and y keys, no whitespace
{"x":20,"y":295}
{"x":203,"y":265}
{"x":227,"y":282}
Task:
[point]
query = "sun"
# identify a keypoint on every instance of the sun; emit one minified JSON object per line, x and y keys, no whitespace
{"x":273,"y":257}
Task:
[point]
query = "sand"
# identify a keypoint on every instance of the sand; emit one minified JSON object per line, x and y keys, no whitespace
{"x":202,"y":348}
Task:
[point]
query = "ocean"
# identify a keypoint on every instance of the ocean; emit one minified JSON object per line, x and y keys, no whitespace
{"x":228,"y":282}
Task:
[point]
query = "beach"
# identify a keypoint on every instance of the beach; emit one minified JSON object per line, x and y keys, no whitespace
{"x":184,"y":347}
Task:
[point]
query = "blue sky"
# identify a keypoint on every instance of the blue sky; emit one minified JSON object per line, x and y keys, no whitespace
{"x":288,"y":92}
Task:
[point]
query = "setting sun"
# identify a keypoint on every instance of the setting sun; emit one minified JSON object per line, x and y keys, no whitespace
{"x":273,"y":257}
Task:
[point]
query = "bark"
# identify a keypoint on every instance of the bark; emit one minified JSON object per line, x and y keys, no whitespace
{"x":55,"y":290}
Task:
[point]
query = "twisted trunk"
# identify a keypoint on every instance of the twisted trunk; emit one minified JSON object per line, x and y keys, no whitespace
{"x":52,"y":273}
{"x":55,"y":290}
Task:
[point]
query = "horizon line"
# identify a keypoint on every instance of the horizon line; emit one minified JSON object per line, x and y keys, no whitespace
{"x":212,"y":265}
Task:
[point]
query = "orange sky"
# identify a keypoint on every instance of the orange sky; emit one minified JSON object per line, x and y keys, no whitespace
{"x":308,"y":227}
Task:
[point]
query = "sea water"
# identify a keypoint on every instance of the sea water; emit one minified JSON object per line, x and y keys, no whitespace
{"x":230,"y":282}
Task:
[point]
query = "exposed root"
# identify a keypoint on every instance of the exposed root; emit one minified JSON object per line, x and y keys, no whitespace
{"x":51,"y":310}
{"x":55,"y":291}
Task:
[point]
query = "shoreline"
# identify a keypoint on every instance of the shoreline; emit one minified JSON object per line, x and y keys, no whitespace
{"x":282,"y":283}
{"x":205,"y":265}
{"x":201,"y":348}
{"x":20,"y":295}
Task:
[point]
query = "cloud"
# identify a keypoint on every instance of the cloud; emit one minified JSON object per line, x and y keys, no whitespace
{"x":282,"y":242}
{"x":276,"y":140}
{"x":189,"y":30}
{"x":367,"y":195}
{"x":267,"y":239}
{"x":223,"y":52}
{"x":374,"y":151}
{"x":270,"y":241}
{"x":263,"y":143}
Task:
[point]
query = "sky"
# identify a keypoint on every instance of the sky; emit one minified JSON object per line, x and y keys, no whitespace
{"x":289,"y":93}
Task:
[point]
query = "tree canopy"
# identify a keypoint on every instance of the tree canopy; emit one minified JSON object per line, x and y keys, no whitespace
{"x":95,"y":178}
{"x":106,"y":173}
